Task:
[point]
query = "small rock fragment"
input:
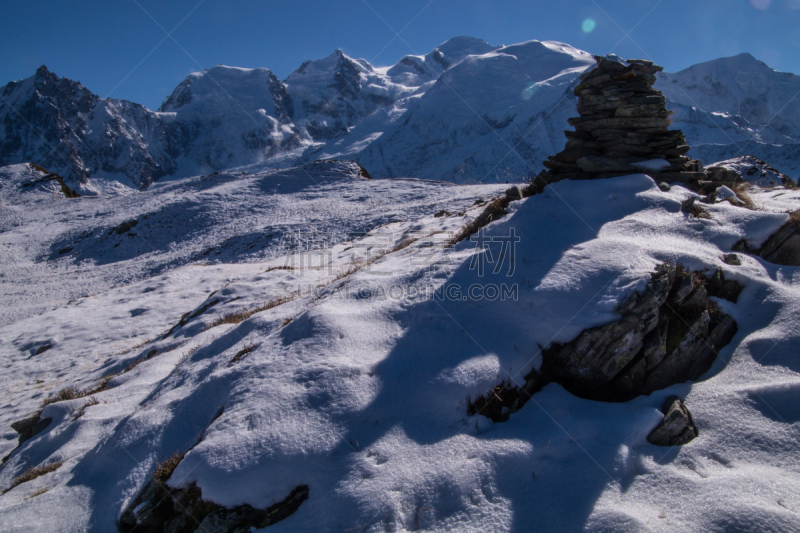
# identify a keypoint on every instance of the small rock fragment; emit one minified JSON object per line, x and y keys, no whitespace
{"x":732,"y":259}
{"x":677,"y":428}
{"x":514,"y":193}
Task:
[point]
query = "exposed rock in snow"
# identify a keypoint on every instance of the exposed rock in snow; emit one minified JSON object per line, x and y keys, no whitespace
{"x":677,"y":428}
{"x":160,"y":508}
{"x":783,"y":248}
{"x":668,"y":334}
{"x":51,"y":182}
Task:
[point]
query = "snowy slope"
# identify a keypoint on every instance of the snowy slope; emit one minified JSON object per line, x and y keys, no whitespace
{"x":78,"y":247}
{"x":356,"y":385}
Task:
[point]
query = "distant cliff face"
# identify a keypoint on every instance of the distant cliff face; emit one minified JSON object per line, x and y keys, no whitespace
{"x":465,"y":112}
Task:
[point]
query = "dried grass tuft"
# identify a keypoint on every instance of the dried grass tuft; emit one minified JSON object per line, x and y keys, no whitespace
{"x":166,"y":467}
{"x":249,"y":347}
{"x":34,"y":472}
{"x":67,"y":393}
{"x":244,"y":314}
{"x":740,"y":189}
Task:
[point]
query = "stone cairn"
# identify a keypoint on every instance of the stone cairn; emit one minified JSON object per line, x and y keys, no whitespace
{"x":622,"y":129}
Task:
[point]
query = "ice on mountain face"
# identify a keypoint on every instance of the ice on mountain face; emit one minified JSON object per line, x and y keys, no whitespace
{"x":414,"y":71}
{"x":226,"y":117}
{"x":333,"y":94}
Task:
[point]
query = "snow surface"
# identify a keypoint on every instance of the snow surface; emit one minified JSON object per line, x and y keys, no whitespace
{"x":723,"y":193}
{"x":357,"y":388}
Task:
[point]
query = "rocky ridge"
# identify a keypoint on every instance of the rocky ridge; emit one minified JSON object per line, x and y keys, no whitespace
{"x":749,"y":168}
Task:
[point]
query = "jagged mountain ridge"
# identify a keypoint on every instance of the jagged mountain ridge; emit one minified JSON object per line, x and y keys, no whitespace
{"x":467,"y":111}
{"x":63,"y":126}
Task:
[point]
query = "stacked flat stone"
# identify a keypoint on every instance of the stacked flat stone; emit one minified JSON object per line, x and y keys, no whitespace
{"x":622,"y":128}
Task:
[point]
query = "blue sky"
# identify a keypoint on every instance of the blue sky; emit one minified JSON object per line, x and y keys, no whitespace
{"x":118,"y":47}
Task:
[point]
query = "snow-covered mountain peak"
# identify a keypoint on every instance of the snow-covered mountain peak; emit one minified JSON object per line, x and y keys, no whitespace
{"x":333,"y":94}
{"x":461,"y":46}
{"x":414,"y":70}
{"x":736,"y":105}
{"x":47,"y":84}
{"x":484,"y":119}
{"x":740,"y":85}
{"x":231,"y":91}
{"x":320,"y":71}
{"x":744,"y":62}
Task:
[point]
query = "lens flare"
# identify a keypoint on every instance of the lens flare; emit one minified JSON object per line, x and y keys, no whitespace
{"x":588,"y":25}
{"x":760,"y":4}
{"x":530,"y":90}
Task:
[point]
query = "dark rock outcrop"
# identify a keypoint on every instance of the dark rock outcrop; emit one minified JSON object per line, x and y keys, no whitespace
{"x":28,"y":428}
{"x":159,"y":508}
{"x":514,"y":193}
{"x":670,"y":333}
{"x":782,"y":248}
{"x":677,"y":428}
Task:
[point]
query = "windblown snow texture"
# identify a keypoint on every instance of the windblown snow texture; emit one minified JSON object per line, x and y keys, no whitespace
{"x":341,"y":376}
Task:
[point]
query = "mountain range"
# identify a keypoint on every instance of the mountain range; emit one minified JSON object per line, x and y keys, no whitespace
{"x":466,"y":112}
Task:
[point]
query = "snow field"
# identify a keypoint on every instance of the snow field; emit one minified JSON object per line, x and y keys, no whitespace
{"x":362,"y":397}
